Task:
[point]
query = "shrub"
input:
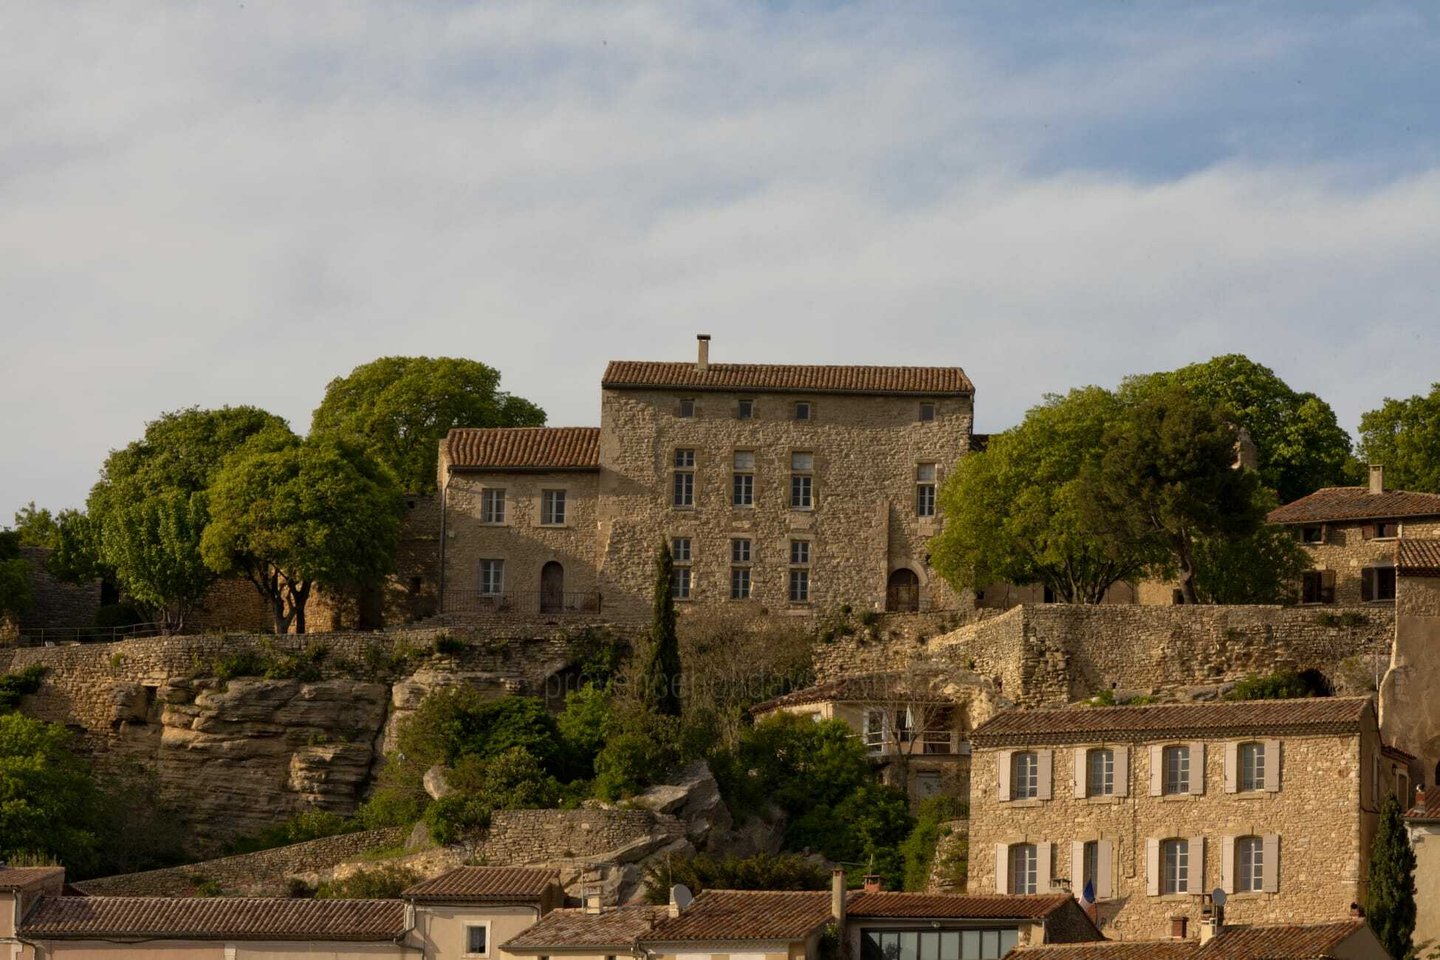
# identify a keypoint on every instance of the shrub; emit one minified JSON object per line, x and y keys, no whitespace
{"x":13,"y":686}
{"x":918,"y":849}
{"x":303,"y":826}
{"x":784,"y":871}
{"x":640,"y":749}
{"x":583,"y":725}
{"x":1281,"y":685}
{"x":297,"y":889}
{"x":448,"y":645}
{"x":460,"y":721}
{"x":514,"y":780}
{"x":381,"y":883}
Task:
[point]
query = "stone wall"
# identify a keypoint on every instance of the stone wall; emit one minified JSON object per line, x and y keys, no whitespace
{"x":519,"y":837}
{"x":1347,"y":551}
{"x":57,"y":604}
{"x":1409,"y":707}
{"x":261,"y":874}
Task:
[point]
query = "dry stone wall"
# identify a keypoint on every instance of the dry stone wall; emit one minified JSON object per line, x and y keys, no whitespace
{"x":57,"y":604}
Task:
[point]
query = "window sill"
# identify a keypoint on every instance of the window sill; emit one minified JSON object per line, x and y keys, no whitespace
{"x":492,"y":523}
{"x":554,"y":526}
{"x":1250,"y":794}
{"x":1108,"y":799}
{"x":1179,"y":797}
{"x":1022,"y":804}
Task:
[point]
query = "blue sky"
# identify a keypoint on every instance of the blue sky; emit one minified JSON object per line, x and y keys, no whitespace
{"x":234,"y":203}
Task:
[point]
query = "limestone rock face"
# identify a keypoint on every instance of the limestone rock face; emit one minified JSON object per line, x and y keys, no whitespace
{"x":407,"y":694}
{"x":436,"y":783}
{"x":693,"y":797}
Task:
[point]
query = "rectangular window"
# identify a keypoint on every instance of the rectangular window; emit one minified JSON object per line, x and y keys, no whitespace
{"x":927,"y":412}
{"x":1024,"y":868}
{"x":1176,"y":762}
{"x":684,"y":478}
{"x":492,"y":577}
{"x":1377,"y":583}
{"x":1175,"y":867}
{"x":1252,"y":766}
{"x":804,"y":410}
{"x":687,"y":407}
{"x":745,"y":410}
{"x":1024,"y":775}
{"x":874,"y":731}
{"x":925,"y":490}
{"x":1317,"y":586}
{"x":681,"y":583}
{"x":1249,"y":865}
{"x":1090,"y":868}
{"x":912,"y":944}
{"x":799,"y":586}
{"x":800,"y":552}
{"x":552,"y":507}
{"x":680,"y":556}
{"x":743,"y":479}
{"x":802,"y":489}
{"x":477,"y":941}
{"x":680,"y":549}
{"x":739,"y":583}
{"x":740,"y":550}
{"x":1100,"y":772}
{"x":936,"y":738}
{"x":492,"y":505}
{"x":1312,"y":533}
{"x":1387,"y":529}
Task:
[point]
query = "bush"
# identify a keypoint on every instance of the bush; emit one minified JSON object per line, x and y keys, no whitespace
{"x":13,"y":686}
{"x":514,"y":780}
{"x":271,"y":664}
{"x":460,"y":721}
{"x":583,"y":725}
{"x":784,"y":871}
{"x":918,"y":849}
{"x":448,"y":645}
{"x":640,"y":750}
{"x":1281,"y":685}
{"x":306,"y":825}
{"x":381,"y":883}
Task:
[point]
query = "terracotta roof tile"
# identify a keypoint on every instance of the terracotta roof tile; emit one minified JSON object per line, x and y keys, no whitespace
{"x":1419,"y":556}
{"x":783,"y":378}
{"x":1356,"y":503}
{"x":864,"y":687}
{"x":524,"y":448}
{"x":746,"y":915}
{"x":616,"y":929}
{"x":1318,"y":715}
{"x":1109,"y":950}
{"x":213,"y":918}
{"x":1279,"y":942}
{"x":1427,"y":806}
{"x":485,"y":884}
{"x":955,"y":906}
{"x":22,"y":878}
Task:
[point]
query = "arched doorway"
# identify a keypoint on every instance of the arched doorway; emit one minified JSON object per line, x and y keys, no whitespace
{"x":902,"y":593}
{"x":552,"y":588}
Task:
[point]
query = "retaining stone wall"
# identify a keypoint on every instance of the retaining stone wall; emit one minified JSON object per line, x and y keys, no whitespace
{"x":537,"y":836}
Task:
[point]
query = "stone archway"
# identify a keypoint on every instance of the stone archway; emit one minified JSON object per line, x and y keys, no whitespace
{"x":902,"y":592}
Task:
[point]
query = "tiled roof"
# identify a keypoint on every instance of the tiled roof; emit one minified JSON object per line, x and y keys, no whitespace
{"x":870,"y":686}
{"x":21,"y":878}
{"x":1074,"y":724}
{"x":955,"y":906}
{"x":1427,"y":806}
{"x":1356,"y":503}
{"x":524,"y":448}
{"x":1419,"y":556}
{"x":615,"y":929}
{"x":1279,"y":942}
{"x":214,"y":918}
{"x":485,"y":884}
{"x":784,"y":378}
{"x":1109,"y":950}
{"x":746,"y":915}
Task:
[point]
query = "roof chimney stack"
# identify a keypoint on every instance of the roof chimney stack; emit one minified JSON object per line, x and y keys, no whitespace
{"x":874,"y":883}
{"x":1179,"y":928}
{"x":837,"y":898}
{"x":1377,"y":478}
{"x":702,"y":362}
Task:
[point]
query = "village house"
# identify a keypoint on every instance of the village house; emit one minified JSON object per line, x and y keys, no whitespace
{"x":1422,"y":824}
{"x":1153,"y":807}
{"x":788,"y":488}
{"x":1343,"y":940}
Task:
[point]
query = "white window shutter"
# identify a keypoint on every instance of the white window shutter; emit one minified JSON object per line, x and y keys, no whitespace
{"x":1272,"y":766}
{"x":1045,"y":760}
{"x":1232,"y":763}
{"x":1079,"y":773}
{"x":1044,"y":856}
{"x":1077,"y":867}
{"x":1270,"y":850}
{"x":1002,"y":864}
{"x":1157,"y":754}
{"x":1227,"y":864}
{"x":1104,"y":867}
{"x":1197,"y":768}
{"x":1195,"y":882}
{"x":1002,"y":773}
{"x":1152,"y":867}
{"x":1122,"y":771}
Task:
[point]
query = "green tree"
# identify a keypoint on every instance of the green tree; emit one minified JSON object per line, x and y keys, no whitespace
{"x":1404,"y":435}
{"x":1298,"y":441}
{"x":1390,"y":902}
{"x":919,"y":848}
{"x":149,"y":509}
{"x":662,"y":670}
{"x":1262,"y":567}
{"x":289,"y":514}
{"x":1168,"y":477}
{"x":399,"y":408}
{"x":49,"y":803}
{"x":36,"y":527}
{"x":16,"y":594}
{"x":1017,"y":512}
{"x":511,"y":780}
{"x":764,"y":871}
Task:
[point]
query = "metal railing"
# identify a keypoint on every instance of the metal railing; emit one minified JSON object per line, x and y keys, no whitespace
{"x":49,"y":636}
{"x":556,"y":602}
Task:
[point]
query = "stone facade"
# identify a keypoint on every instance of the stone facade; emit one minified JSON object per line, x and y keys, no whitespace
{"x":1317,"y":822}
{"x":1409,"y":708}
{"x":57,"y":604}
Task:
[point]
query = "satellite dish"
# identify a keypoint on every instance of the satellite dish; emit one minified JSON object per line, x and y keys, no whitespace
{"x":681,"y":896}
{"x":1217,"y":896}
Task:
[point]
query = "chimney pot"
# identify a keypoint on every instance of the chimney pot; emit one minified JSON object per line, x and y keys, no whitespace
{"x":873,"y":883}
{"x":1377,"y":478}
{"x":702,"y":361}
{"x":837,"y":897}
{"x":1179,"y":928}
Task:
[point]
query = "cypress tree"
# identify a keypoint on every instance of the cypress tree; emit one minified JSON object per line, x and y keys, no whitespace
{"x":1391,"y":899}
{"x":662,"y":672}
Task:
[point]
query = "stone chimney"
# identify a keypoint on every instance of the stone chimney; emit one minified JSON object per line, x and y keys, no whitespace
{"x":702,"y":361}
{"x":1247,"y":455}
{"x":673,"y":909}
{"x":1377,"y":478}
{"x":1209,"y":927}
{"x":837,"y":899}
{"x":1179,"y":928}
{"x":873,"y":883}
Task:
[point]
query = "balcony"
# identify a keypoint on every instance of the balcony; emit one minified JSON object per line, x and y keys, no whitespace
{"x":523,"y":603}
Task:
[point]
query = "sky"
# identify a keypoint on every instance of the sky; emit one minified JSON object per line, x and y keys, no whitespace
{"x":226,"y":203}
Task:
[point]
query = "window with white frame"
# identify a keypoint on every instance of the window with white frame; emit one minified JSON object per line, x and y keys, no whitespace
{"x":1249,"y":864}
{"x":477,"y":940}
{"x":1100,"y":772}
{"x":1024,"y":868}
{"x":799,"y":571}
{"x":742,"y":480}
{"x":1174,"y":866}
{"x":492,"y":577}
{"x":1024,"y":775}
{"x":1251,"y":758}
{"x":739,"y":583}
{"x":492,"y":505}
{"x":1090,"y":867}
{"x":802,"y":480}
{"x":925,"y":490}
{"x":874,"y":731}
{"x":680,"y":558}
{"x":552,"y":507}
{"x":684,"y":485}
{"x":1175,"y":762}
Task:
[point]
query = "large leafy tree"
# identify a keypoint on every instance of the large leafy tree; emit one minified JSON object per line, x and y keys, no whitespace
{"x":69,"y":538}
{"x":289,"y":515}
{"x":1390,"y":901}
{"x":16,"y":596}
{"x":1017,"y":512}
{"x":1404,"y":435}
{"x":662,"y":670}
{"x":150,"y":508}
{"x":398,"y":409}
{"x":1299,"y":443}
{"x":49,"y":802}
{"x":1168,"y":477}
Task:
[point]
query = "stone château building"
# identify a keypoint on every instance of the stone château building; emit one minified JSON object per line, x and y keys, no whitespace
{"x":792,"y":488}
